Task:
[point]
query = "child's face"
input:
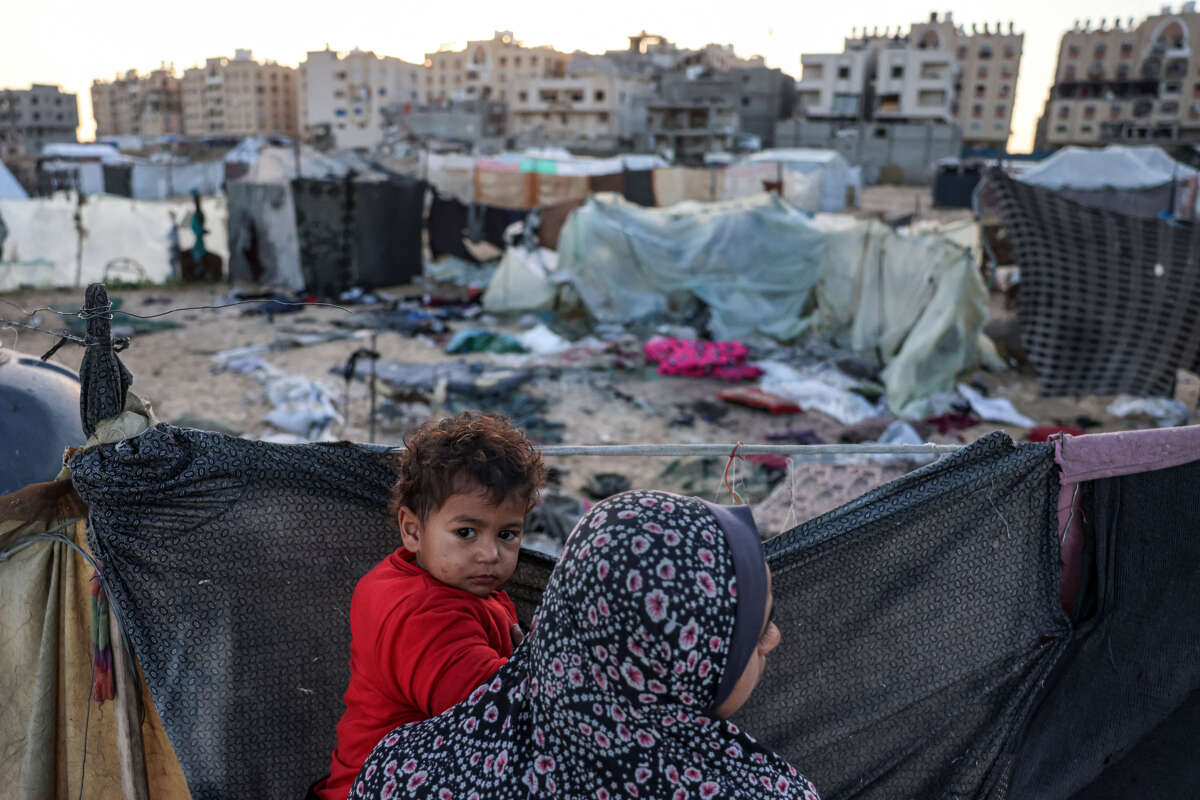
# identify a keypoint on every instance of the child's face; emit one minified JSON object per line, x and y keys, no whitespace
{"x":469,"y":543}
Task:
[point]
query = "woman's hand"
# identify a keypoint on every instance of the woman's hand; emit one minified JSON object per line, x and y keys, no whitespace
{"x":517,"y":636}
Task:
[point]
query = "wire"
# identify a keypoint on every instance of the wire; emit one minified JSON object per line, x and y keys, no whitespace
{"x":87,"y":313}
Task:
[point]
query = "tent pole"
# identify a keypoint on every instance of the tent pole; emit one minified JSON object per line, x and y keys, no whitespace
{"x":131,"y":751}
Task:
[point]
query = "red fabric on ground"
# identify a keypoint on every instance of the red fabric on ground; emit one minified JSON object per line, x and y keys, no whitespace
{"x":754,"y":397}
{"x":417,"y":648}
{"x":952,"y":422}
{"x":1042,"y":433}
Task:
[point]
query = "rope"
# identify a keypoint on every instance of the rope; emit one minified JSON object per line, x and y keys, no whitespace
{"x":732,"y":455}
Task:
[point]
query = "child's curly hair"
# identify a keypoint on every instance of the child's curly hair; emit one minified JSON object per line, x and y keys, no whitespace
{"x":442,"y":457}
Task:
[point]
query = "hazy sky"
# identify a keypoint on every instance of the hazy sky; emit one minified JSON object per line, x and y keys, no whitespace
{"x":70,"y":42}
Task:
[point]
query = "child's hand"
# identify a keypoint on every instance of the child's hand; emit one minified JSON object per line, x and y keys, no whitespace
{"x":517,"y":636}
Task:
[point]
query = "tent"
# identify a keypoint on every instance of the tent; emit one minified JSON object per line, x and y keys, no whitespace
{"x":1133,"y":180}
{"x":130,"y":239}
{"x":10,"y":189}
{"x":837,"y":176}
{"x":915,"y":303}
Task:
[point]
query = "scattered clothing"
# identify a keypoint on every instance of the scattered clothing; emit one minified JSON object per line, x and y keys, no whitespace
{"x":700,"y":359}
{"x":805,"y":436}
{"x":478,"y":340}
{"x":947,"y":423}
{"x":603,"y":485}
{"x":754,"y":397}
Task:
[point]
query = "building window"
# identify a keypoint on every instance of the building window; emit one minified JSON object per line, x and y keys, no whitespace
{"x":1086,"y":129}
{"x":1099,"y":52}
{"x":977,"y":110}
{"x":980,"y":89}
{"x":1089,"y":112}
{"x":339,"y":76}
{"x":1069,"y":73}
{"x":999,"y":126}
{"x":503,"y":60}
{"x":1126,"y":49}
{"x":843,"y":73}
{"x":522,"y":96}
{"x":603,"y":116}
{"x":1169,"y":107}
{"x":1060,"y":128}
{"x":898,"y":71}
{"x":1115,"y":112}
{"x":745,"y":101}
{"x":1001,"y":111}
{"x":985,"y":52}
{"x":1004,"y":90}
{"x":1064,"y":111}
{"x":599,"y":95}
{"x":1073,"y":51}
{"x":982,"y":72}
{"x":1172,"y":88}
{"x":961,"y":53}
{"x":1194,"y":110}
{"x":1122,"y":72}
{"x":516,"y":61}
{"x":1010,"y":52}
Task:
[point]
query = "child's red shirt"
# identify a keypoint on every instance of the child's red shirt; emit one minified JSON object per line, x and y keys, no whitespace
{"x":418,"y":647}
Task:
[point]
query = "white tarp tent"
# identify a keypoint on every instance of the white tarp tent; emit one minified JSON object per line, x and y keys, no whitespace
{"x":1113,"y":167}
{"x":836,"y":173}
{"x":131,"y":237}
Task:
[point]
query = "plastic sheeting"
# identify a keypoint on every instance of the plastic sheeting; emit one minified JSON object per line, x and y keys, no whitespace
{"x":753,"y":262}
{"x":523,"y":281}
{"x":264,"y":246}
{"x":130,"y":235}
{"x":915,"y":303}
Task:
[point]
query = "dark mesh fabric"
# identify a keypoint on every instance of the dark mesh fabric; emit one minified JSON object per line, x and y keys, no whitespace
{"x":233,"y":563}
{"x":358,"y":233}
{"x":1122,"y":716}
{"x":917,"y":622}
{"x":1110,"y":302}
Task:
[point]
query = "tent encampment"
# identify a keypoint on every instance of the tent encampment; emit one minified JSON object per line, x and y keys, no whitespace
{"x":10,"y":189}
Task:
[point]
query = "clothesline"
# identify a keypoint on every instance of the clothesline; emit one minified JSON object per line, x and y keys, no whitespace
{"x":728,"y":449}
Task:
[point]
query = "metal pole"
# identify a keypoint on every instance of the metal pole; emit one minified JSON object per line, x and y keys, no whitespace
{"x":701,"y":450}
{"x":374,"y":359}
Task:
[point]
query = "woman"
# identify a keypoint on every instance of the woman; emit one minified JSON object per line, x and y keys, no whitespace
{"x":654,"y":627}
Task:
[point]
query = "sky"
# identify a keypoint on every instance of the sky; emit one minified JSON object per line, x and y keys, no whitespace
{"x":71,"y":42}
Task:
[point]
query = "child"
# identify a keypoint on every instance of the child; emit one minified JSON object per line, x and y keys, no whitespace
{"x":429,"y":623}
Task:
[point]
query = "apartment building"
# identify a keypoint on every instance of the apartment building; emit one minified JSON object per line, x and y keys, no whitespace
{"x":934,"y":72}
{"x":342,"y":96}
{"x":762,"y":96}
{"x":1117,"y":82}
{"x":139,"y":105}
{"x":691,"y":130}
{"x":30,"y":118}
{"x":490,"y":69}
{"x":594,"y":108}
{"x":240,"y":97}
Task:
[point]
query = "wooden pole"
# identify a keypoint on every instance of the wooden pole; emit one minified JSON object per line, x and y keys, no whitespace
{"x":131,"y":751}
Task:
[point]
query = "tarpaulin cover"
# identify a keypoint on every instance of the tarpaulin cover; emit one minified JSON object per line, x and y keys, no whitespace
{"x":1112,"y":167}
{"x":752,"y":261}
{"x":45,"y":679}
{"x":913,"y":303}
{"x":358,"y":233}
{"x":264,"y":246}
{"x":1110,"y":303}
{"x":116,"y":229}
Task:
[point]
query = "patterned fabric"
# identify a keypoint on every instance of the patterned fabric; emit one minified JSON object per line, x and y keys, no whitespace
{"x":607,"y":696}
